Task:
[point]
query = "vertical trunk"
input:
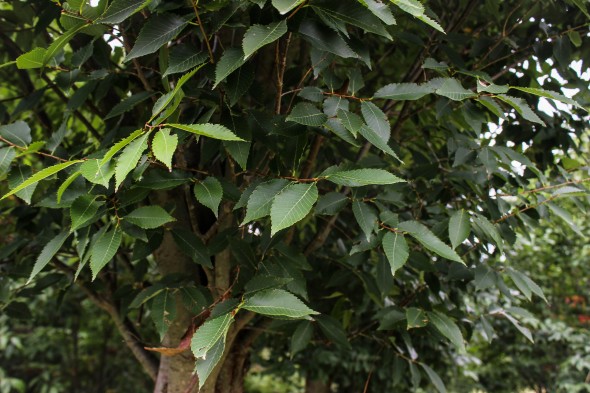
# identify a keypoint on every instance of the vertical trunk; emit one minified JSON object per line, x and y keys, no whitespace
{"x":317,"y":386}
{"x":175,"y":373}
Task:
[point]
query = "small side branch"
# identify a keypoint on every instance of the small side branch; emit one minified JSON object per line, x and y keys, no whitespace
{"x":281,"y":61}
{"x":195,"y":4}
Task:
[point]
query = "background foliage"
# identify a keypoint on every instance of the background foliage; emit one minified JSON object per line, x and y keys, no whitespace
{"x":325,"y":190}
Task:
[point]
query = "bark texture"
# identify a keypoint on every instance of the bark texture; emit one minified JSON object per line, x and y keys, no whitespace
{"x":174,"y":374}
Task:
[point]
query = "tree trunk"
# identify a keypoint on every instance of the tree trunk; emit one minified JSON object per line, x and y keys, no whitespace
{"x":317,"y":386}
{"x":175,"y":372}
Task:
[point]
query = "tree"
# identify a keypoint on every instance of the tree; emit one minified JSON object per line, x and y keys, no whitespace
{"x":336,"y":173}
{"x":559,"y":361}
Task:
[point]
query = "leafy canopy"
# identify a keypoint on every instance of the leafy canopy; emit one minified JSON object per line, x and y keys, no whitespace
{"x":343,"y":170}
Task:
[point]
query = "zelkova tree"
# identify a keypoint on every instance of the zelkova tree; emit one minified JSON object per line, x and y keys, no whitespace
{"x":325,"y":179}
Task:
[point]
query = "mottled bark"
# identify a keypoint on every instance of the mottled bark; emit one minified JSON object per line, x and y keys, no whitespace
{"x":316,"y":386}
{"x":174,"y":373}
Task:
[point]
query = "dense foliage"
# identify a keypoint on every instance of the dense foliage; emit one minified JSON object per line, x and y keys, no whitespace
{"x":560,"y":359}
{"x":338,"y":178}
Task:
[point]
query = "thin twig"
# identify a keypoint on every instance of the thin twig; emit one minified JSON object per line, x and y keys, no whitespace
{"x":281,"y":66}
{"x":195,"y":4}
{"x":37,"y":152}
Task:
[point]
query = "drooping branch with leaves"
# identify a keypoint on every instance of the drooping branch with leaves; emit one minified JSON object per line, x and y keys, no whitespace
{"x":331,"y":175}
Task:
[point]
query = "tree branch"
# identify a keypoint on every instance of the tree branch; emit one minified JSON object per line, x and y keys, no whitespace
{"x":143,"y":357}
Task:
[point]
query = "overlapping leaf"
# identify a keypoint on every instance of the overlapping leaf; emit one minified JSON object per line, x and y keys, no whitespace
{"x":291,"y":205}
{"x":277,"y":303}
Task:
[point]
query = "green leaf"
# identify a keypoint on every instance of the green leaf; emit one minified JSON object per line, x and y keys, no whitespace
{"x":452,"y":89}
{"x":431,"y":22}
{"x":284,"y":6}
{"x":183,"y":58}
{"x":63,"y":187}
{"x":352,"y":13}
{"x":7,"y":154}
{"x":363,"y":177}
{"x":239,"y":151}
{"x":365,"y":216}
{"x":324,"y":39}
{"x":174,"y":96}
{"x":215,"y":131}
{"x":489,"y":230}
{"x":209,"y":334}
{"x":484,"y":277}
{"x":396,"y":250}
{"x":31,"y":59}
{"x":204,"y":366}
{"x":432,"y":64}
{"x":238,"y":83}
{"x":492,"y":106}
{"x":119,"y":10}
{"x":434,"y":378}
{"x":351,"y":121}
{"x":104,"y":250}
{"x":381,"y":11}
{"x":377,"y":141}
{"x":566,"y":216}
{"x":301,"y":337}
{"x":416,"y":318}
{"x":157,"y":31}
{"x":209,"y":192}
{"x":42,"y":174}
{"x":332,"y":329}
{"x":415,"y":8}
{"x":192,"y":246}
{"x":193,"y":299}
{"x":404,"y":91}
{"x":129,"y":158}
{"x":491,"y":88}
{"x":96,"y":173}
{"x":526,"y":285}
{"x":278,"y":303}
{"x":149,"y":217}
{"x":459,"y":227}
{"x":429,"y":240}
{"x":448,"y":328}
{"x":47,"y":254}
{"x":525,"y":331}
{"x":127,"y":104}
{"x":83,"y":210}
{"x":60,"y":42}
{"x":307,"y":114}
{"x":522,"y":108}
{"x":18,"y":175}
{"x":258,"y":36}
{"x":582,"y":6}
{"x":412,"y":7}
{"x":376,"y":120}
{"x":261,"y":282}
{"x":260,"y":201}
{"x":18,"y":133}
{"x":231,"y":60}
{"x":291,"y":205}
{"x":164,"y":146}
{"x":145,"y":295}
{"x":548,"y":94}
{"x":331,"y":203}
{"x":119,"y":145}
{"x":163,"y":311}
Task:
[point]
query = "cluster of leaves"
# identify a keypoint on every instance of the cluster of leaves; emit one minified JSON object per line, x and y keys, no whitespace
{"x":559,"y":361}
{"x":362,"y":177}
